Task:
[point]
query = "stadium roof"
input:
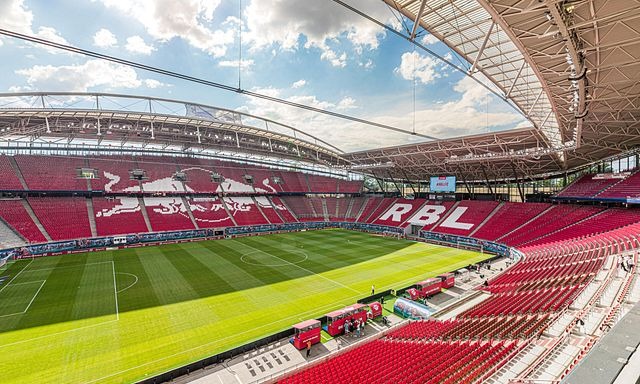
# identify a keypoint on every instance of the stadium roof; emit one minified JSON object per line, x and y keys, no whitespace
{"x":572,"y":67}
{"x":510,"y":155}
{"x":83,"y":120}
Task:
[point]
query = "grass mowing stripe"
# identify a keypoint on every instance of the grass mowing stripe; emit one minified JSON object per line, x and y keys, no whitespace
{"x":232,"y":253}
{"x":304,"y":269}
{"x":178,"y":311}
{"x":239,"y":279}
{"x":142,"y":294}
{"x":202,"y":280}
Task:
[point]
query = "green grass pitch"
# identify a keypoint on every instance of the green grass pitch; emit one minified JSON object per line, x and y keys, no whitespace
{"x":121,"y":316}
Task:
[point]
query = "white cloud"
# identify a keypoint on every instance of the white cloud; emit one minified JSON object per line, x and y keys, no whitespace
{"x":367,"y":64}
{"x":335,"y":60}
{"x":51,"y":34}
{"x":346,"y":103}
{"x":429,"y":39}
{"x":104,"y":38}
{"x":299,"y":84}
{"x":286,"y":23}
{"x":188,"y":20}
{"x":15,"y":16}
{"x":153,"y":83}
{"x":136,"y":44}
{"x":424,"y":69}
{"x":82,"y":77}
{"x":245,"y":64}
{"x":465,"y":114}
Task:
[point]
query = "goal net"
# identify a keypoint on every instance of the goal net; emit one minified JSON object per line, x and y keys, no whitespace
{"x":3,"y":262}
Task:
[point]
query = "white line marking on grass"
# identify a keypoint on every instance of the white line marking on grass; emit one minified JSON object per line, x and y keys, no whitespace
{"x":115,"y":289}
{"x":130,"y":285}
{"x":28,"y":282}
{"x":17,"y":274}
{"x":12,"y":314}
{"x":30,"y":302}
{"x":34,"y":296}
{"x":304,"y":269}
{"x":70,"y":266}
{"x":283,"y":319}
{"x":242,"y":258}
{"x":56,"y":333}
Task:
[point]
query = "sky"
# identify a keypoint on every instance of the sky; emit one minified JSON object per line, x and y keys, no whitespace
{"x":315,"y":53}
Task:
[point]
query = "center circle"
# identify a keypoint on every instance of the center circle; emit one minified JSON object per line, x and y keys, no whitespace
{"x":277,"y":261}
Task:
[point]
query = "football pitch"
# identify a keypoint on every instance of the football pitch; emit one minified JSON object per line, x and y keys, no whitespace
{"x":120,"y":316}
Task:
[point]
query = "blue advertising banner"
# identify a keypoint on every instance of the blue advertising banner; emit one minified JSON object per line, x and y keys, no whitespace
{"x":411,"y":309}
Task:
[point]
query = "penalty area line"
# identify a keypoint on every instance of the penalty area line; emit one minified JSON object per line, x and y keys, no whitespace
{"x":32,"y":299}
{"x":34,"y":296}
{"x":17,"y":274}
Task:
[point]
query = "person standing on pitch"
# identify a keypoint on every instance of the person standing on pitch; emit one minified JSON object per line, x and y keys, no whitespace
{"x":373,"y":289}
{"x":308,"y":348}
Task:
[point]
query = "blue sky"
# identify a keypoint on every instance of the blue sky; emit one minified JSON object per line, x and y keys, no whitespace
{"x":311,"y":52}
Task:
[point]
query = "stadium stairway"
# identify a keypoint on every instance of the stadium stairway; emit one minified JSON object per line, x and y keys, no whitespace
{"x":595,"y":214}
{"x":325,"y":211}
{"x":224,"y":204}
{"x":16,"y":169}
{"x":35,"y":219}
{"x":260,"y":210}
{"x":369,"y":204}
{"x":284,"y":203}
{"x":550,"y":207}
{"x":489,"y":216}
{"x":349,"y":207}
{"x":92,"y":216}
{"x":9,"y":238}
{"x":145,"y":215}
{"x":277,"y":211}
{"x":313,"y":208}
{"x":193,"y":220}
{"x":385,"y":203}
{"x":610,"y":191}
{"x":566,"y":342}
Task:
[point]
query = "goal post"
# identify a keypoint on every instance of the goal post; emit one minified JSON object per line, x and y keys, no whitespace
{"x":4,"y":260}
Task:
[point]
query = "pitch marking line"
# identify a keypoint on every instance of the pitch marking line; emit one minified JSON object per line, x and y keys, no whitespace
{"x":304,"y":269}
{"x":130,"y":285}
{"x":317,"y":310}
{"x":17,"y":274}
{"x":34,"y":296}
{"x":115,"y":289}
{"x":306,"y":256}
{"x":213,"y":342}
{"x":70,"y":266}
{"x":28,"y":282}
{"x":32,"y":299}
{"x":56,"y":333}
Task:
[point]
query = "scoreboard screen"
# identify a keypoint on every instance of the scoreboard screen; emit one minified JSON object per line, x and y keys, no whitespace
{"x":443,"y":184}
